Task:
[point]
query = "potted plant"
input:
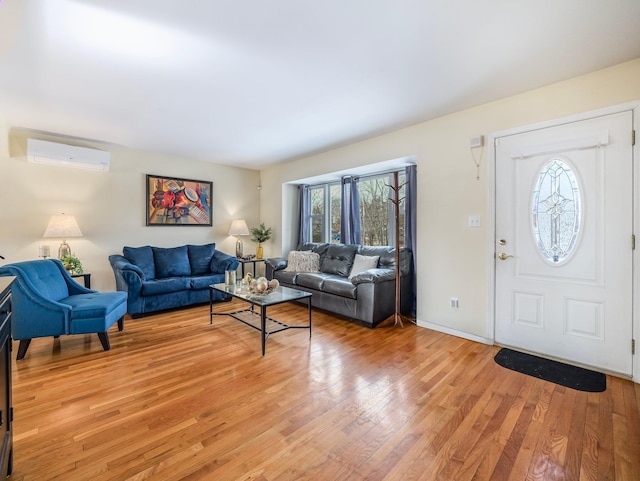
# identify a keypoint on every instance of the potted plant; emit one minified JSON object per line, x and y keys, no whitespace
{"x":260,"y":234}
{"x":72,"y":264}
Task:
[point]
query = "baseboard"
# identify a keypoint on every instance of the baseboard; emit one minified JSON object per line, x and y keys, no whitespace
{"x":455,"y":332}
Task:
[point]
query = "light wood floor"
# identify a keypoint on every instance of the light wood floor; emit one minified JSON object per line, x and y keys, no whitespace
{"x":177,"y":398}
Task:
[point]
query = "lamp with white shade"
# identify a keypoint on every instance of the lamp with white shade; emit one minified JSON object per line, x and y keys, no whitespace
{"x":63,"y":226}
{"x":239,"y":228}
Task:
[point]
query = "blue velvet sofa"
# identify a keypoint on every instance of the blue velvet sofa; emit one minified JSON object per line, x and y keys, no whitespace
{"x":158,"y":278}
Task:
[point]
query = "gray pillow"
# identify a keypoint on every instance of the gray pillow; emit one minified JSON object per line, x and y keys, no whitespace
{"x":363,"y":263}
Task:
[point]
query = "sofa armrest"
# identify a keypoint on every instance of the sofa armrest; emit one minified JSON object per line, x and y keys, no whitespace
{"x":223,"y":262}
{"x":120,"y":263}
{"x":35,"y":316}
{"x":374,"y":276}
{"x":273,"y":264}
{"x":276,"y":263}
{"x":128,"y":276}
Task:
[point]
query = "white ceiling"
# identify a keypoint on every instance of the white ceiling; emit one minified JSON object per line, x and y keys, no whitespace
{"x":260,"y":81}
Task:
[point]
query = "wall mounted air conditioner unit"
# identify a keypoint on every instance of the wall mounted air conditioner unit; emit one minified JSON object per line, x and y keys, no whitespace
{"x":53,"y":153}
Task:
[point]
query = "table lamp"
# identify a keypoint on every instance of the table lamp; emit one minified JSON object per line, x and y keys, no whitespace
{"x":239,"y":228}
{"x":63,"y":226}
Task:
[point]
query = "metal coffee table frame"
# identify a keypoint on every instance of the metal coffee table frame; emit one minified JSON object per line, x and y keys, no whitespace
{"x":259,"y":320}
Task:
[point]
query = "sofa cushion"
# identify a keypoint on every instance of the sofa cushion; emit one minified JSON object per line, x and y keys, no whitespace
{"x":363,"y":263}
{"x":95,"y":304}
{"x":143,"y":258}
{"x":303,"y":261}
{"x":286,"y":277}
{"x":221,"y":262}
{"x":312,"y":280}
{"x":200,"y":258}
{"x":387,"y":254}
{"x":319,"y":248}
{"x":171,"y":262}
{"x":340,"y":287}
{"x":165,"y":286}
{"x":203,"y":282}
{"x":45,"y":277}
{"x":338,"y":259}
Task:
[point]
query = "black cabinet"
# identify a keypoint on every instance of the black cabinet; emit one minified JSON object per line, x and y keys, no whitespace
{"x":6,"y":409}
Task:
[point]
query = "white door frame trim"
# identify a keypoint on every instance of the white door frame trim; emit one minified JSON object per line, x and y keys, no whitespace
{"x":491,"y":206}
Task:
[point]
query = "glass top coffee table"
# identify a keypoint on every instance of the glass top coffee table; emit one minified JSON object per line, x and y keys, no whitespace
{"x":257,"y":318}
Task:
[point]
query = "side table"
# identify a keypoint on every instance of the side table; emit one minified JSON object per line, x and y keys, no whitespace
{"x":249,"y":261}
{"x":87,"y":278}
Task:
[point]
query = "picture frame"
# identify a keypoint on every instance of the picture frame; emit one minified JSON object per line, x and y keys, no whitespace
{"x":175,"y":201}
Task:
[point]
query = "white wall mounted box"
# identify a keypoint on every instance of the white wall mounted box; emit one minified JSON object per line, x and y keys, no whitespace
{"x":53,"y":153}
{"x":476,"y":141}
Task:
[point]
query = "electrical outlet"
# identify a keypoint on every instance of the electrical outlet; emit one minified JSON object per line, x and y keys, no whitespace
{"x":454,"y":303}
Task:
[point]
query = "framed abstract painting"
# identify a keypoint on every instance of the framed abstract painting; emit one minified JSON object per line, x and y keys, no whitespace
{"x":176,"y":201}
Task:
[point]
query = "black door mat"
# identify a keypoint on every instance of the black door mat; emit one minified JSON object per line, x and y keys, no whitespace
{"x":569,"y":376}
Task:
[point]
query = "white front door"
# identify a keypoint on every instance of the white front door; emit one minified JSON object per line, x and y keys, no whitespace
{"x":564,"y":224}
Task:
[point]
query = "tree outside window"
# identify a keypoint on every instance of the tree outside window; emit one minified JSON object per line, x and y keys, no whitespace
{"x":376,"y":211}
{"x":335,"y":195}
{"x":317,"y":213}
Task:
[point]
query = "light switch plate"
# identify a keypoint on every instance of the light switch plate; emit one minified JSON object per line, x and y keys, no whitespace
{"x":474,"y":221}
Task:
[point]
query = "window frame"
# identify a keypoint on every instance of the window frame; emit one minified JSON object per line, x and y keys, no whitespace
{"x":327,"y":215}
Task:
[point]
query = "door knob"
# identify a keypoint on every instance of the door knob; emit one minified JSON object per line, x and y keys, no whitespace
{"x":503,"y":256}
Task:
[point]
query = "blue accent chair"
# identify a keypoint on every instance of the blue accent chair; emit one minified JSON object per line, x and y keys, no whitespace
{"x":46,"y":301}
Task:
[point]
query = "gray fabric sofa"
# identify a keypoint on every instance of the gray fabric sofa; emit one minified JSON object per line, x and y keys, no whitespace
{"x":367,"y":297}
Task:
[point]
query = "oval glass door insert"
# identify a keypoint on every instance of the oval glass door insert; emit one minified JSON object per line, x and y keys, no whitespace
{"x":556,"y":211}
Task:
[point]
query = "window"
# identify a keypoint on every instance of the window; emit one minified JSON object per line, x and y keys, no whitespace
{"x":317,"y":213}
{"x":325,"y":213}
{"x":377,"y":216}
{"x":556,"y":211}
{"x":377,"y":212}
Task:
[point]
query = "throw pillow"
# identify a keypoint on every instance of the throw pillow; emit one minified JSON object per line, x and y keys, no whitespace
{"x":171,"y":262}
{"x":362,"y":263}
{"x":220,"y":262}
{"x":338,"y":259}
{"x":303,"y":261}
{"x":143,"y":258}
{"x":200,"y":258}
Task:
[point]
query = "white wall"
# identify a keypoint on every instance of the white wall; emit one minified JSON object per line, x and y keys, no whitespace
{"x":110,"y":207}
{"x":452,"y":258}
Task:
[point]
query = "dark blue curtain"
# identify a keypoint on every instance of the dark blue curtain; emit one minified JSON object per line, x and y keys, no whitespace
{"x":350,"y":231}
{"x":304,"y":228}
{"x":410,"y":220}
